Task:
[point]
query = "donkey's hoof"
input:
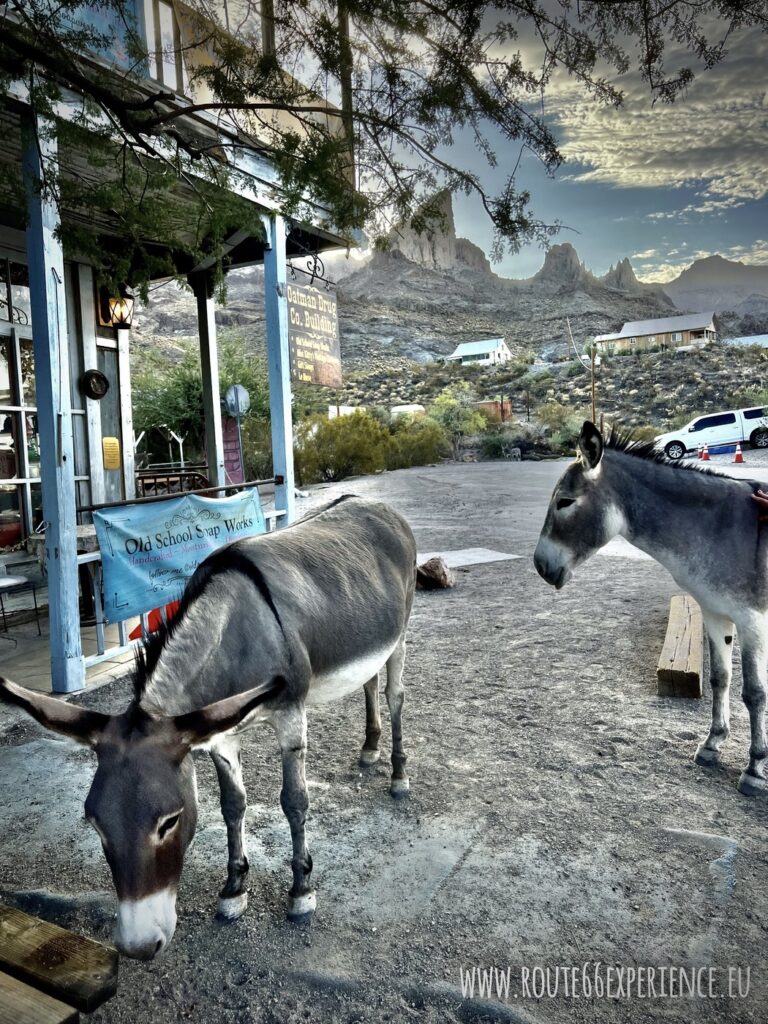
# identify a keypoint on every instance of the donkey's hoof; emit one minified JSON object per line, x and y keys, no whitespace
{"x":705,"y":756}
{"x":751,"y":785}
{"x":369,"y":757}
{"x":300,"y":907}
{"x":232,"y":907}
{"x":399,"y":788}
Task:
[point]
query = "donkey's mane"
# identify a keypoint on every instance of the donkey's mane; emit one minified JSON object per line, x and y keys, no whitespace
{"x":149,"y":651}
{"x":624,"y":441}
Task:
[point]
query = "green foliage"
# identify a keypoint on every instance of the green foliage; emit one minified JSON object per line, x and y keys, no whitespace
{"x":563,"y":423}
{"x":171,"y":394}
{"x":416,"y":441}
{"x":341,"y":447}
{"x":453,"y":409}
{"x":362,"y":443}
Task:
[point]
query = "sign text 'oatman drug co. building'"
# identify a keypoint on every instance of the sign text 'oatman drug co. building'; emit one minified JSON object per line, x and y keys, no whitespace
{"x":313,"y":335}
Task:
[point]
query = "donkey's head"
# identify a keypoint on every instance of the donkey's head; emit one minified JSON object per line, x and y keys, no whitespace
{"x":143,"y":799}
{"x":582,"y":515}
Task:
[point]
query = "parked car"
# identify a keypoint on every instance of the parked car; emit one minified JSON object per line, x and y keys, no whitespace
{"x":722,"y":428}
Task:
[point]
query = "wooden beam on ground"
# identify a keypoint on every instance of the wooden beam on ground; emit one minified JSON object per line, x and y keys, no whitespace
{"x":21,"y":1004}
{"x":680,"y":670}
{"x":75,"y":970}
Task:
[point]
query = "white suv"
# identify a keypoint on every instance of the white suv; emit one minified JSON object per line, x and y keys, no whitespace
{"x":722,"y":428}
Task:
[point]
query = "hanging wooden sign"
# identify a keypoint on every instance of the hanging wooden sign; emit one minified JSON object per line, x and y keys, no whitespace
{"x":313,"y":336}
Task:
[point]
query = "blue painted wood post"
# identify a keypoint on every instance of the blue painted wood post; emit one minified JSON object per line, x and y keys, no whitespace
{"x":278,"y":357}
{"x":202,"y":285}
{"x":54,"y":418}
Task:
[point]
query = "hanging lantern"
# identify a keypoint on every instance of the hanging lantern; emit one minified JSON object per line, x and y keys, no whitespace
{"x":115,"y":310}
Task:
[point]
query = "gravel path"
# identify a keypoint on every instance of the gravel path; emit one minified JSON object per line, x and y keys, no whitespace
{"x":556,"y":815}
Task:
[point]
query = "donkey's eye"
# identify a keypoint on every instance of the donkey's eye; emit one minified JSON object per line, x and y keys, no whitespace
{"x":167,"y":824}
{"x":564,"y":503}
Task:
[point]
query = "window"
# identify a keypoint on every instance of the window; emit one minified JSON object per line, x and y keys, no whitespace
{"x":164,"y":44}
{"x":651,"y":339}
{"x":677,"y":336}
{"x":753,"y":414}
{"x":706,"y":422}
{"x":14,"y":293}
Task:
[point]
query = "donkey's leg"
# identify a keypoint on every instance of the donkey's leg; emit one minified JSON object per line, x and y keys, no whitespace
{"x":754,"y":651}
{"x":291,"y":728}
{"x":233,"y":898}
{"x":370,"y":753}
{"x":720,"y":632}
{"x":395,"y":693}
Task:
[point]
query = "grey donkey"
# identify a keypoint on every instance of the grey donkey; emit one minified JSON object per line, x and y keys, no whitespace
{"x":268,"y":626}
{"x":704,"y":528}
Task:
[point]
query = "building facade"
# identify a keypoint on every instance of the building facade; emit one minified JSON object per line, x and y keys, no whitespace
{"x":492,"y":352}
{"x":692,"y":329}
{"x":67,"y":441}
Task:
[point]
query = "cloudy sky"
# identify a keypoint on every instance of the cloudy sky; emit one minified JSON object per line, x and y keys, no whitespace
{"x":661,"y":184}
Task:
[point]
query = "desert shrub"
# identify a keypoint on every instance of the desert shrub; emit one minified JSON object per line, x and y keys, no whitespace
{"x":496,"y":443}
{"x":645,"y":432}
{"x":563,"y":424}
{"x":335,"y":449}
{"x":416,"y":441}
{"x":453,"y":410}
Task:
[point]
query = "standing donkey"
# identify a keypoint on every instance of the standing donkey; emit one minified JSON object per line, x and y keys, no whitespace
{"x":267,"y":627}
{"x":704,"y":529}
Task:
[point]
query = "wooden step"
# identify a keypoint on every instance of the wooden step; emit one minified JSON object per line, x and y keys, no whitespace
{"x":680,"y":670}
{"x":68,"y":967}
{"x":21,"y":1004}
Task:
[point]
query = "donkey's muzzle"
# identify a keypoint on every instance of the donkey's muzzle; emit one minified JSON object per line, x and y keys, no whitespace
{"x":553,"y":570}
{"x":146,"y":926}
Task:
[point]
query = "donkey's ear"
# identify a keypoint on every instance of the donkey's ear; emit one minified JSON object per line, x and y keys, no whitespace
{"x":197,"y":727}
{"x":77,"y":723}
{"x":590,"y":444}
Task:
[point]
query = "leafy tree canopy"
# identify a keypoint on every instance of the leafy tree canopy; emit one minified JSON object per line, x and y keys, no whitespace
{"x":406,"y":77}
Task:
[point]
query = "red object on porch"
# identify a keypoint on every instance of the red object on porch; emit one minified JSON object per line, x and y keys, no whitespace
{"x":155,"y":620}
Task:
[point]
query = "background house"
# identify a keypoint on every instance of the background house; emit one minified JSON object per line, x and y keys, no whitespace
{"x":481,"y":353}
{"x":666,"y":332}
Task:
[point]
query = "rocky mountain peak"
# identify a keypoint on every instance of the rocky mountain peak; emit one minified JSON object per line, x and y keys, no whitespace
{"x":562,"y":266}
{"x":622,"y":277}
{"x":435,"y":245}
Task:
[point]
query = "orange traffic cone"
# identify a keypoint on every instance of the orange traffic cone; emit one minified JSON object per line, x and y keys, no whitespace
{"x":705,"y":454}
{"x":738,"y":458}
{"x":698,"y":451}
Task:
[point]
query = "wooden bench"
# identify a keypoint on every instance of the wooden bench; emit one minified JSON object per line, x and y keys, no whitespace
{"x":49,"y":974}
{"x":680,"y":670}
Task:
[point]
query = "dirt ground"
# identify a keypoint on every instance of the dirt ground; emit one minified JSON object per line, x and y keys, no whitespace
{"x":556,"y":817}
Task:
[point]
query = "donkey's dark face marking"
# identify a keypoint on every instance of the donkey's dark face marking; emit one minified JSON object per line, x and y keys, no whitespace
{"x":580,"y":519}
{"x":267,"y":626}
{"x":142,"y":803}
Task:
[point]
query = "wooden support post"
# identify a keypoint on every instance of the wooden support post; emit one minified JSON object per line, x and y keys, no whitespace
{"x":128,"y":459}
{"x":202,"y":286}
{"x":87,"y":294}
{"x":54,"y":416}
{"x":276,"y":308}
{"x":680,"y":671}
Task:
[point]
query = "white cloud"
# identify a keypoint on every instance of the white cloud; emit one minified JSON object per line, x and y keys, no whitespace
{"x":712,"y":139}
{"x":666,"y":270}
{"x":646,"y":254}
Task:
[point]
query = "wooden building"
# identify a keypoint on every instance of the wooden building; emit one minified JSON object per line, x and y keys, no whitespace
{"x":62,"y":447}
{"x":691,"y":329}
